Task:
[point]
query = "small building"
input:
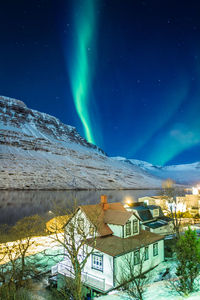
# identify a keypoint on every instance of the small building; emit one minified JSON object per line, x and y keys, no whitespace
{"x":118,"y":235}
{"x":152,"y":218}
{"x":155,"y":200}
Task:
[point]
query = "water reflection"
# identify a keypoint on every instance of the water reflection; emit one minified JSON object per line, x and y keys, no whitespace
{"x":15,"y":205}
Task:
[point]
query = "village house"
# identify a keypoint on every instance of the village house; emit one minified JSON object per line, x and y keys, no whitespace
{"x":152,"y":218}
{"x":154,"y":200}
{"x":188,"y":203}
{"x":118,"y":235}
{"x":191,"y":203}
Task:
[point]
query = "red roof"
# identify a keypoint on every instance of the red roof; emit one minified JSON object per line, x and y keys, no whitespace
{"x":117,"y":217}
{"x":96,"y":214}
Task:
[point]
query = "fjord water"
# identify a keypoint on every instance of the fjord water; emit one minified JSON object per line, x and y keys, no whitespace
{"x":15,"y":205}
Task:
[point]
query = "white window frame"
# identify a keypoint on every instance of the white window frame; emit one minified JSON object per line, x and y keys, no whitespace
{"x":156,"y":212}
{"x":97,"y":262}
{"x":155,"y":249}
{"x":128,"y":228}
{"x":135,"y":226}
{"x":146,"y":253}
{"x":136,"y":257}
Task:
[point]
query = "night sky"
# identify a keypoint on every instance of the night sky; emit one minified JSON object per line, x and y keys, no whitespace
{"x":126,"y":73}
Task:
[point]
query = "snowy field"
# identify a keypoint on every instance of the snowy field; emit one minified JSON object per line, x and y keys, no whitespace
{"x":157,"y":291}
{"x":39,"y":245}
{"x":158,"y":288}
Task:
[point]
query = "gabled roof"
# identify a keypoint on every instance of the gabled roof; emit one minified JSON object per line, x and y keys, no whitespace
{"x":95,"y":213}
{"x":115,"y":246}
{"x":117,"y":217}
{"x":161,"y":214}
{"x":144,"y":213}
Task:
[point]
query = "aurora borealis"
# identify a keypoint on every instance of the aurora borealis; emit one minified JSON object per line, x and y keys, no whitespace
{"x":82,"y":61}
{"x":125,"y":73}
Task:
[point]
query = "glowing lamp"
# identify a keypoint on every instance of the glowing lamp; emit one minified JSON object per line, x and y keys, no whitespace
{"x":195,"y":191}
{"x":128,"y":201}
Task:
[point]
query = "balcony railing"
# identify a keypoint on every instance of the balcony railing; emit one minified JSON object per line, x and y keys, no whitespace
{"x":93,"y":281}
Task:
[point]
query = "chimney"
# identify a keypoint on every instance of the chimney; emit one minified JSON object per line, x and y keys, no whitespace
{"x":104,"y":202}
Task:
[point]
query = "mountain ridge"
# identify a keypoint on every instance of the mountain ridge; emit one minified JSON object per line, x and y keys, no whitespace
{"x":181,"y":174}
{"x":37,"y":151}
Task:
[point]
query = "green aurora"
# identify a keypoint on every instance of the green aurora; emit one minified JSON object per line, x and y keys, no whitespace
{"x":83,"y":60}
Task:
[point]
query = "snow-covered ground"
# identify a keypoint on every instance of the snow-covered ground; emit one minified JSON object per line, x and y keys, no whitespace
{"x":39,"y":244}
{"x":158,"y":287}
{"x":157,"y":291}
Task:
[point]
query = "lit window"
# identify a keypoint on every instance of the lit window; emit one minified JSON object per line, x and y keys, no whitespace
{"x":155,"y":249}
{"x":80,"y":225}
{"x":156,"y":213}
{"x":146,"y":253}
{"x":136,"y":257}
{"x":97,"y":262}
{"x":91,"y":230}
{"x":135,"y":226}
{"x":128,"y":228}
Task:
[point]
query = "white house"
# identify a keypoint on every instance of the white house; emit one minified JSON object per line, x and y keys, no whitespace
{"x":118,"y":236}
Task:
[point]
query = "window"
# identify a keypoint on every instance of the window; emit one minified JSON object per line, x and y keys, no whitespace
{"x":135,"y":226}
{"x":155,"y":249}
{"x":136,"y":257}
{"x":156,"y":212}
{"x":80,"y":225}
{"x":146,"y":253}
{"x":91,"y":230}
{"x":128,"y":228}
{"x":97,"y":262}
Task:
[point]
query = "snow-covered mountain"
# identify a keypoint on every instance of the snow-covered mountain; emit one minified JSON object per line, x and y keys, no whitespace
{"x":183,"y":174}
{"x":37,"y":151}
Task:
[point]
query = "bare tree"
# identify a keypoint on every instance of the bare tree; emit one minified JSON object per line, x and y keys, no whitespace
{"x":12,"y":293}
{"x":133,"y":279}
{"x":16,"y":242}
{"x":170,"y":192}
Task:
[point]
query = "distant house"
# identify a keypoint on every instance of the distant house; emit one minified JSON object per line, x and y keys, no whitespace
{"x":155,"y":200}
{"x":152,"y":218}
{"x":189,"y":203}
{"x":118,"y":235}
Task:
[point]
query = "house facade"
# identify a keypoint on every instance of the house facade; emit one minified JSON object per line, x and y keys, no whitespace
{"x":113,"y":235}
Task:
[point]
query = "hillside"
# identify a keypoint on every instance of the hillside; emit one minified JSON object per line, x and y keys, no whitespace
{"x":182,"y":174}
{"x":38,"y":151}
